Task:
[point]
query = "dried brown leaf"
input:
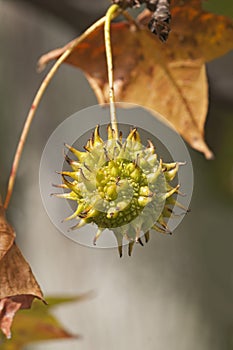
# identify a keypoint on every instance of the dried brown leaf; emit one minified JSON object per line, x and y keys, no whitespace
{"x":39,"y":324}
{"x":18,"y":286}
{"x":194,"y":3}
{"x":7,"y":235}
{"x":168,"y":78}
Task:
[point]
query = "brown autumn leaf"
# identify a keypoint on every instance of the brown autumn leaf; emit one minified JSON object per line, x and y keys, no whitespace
{"x":18,"y":286}
{"x":169,"y":78}
{"x":39,"y":324}
{"x":194,"y":3}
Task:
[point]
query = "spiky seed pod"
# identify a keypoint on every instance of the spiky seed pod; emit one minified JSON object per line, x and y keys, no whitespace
{"x":120,"y":185}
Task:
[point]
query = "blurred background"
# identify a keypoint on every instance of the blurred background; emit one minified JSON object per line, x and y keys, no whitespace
{"x":175,"y":293}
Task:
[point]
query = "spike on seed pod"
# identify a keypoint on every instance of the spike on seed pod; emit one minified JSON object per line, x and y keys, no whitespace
{"x":147,"y":236}
{"x":130,"y":249}
{"x":71,"y":195}
{"x":88,"y":147}
{"x":97,"y":139}
{"x":150,"y":145}
{"x":74,"y":164}
{"x":81,"y":223}
{"x":110,"y":132}
{"x":98,"y":234}
{"x":79,"y":155}
{"x":74,"y":174}
{"x":77,"y":212}
{"x":122,"y":186}
{"x":63,"y":186}
{"x":71,"y":185}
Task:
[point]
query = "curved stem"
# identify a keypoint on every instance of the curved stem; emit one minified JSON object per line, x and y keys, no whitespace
{"x":107,"y":38}
{"x":35,"y":105}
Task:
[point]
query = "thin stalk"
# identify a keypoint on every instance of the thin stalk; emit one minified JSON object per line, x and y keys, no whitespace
{"x":113,"y":10}
{"x":35,"y":105}
{"x":131,"y":20}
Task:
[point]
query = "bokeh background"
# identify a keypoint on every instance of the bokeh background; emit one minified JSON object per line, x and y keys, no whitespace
{"x":176,"y":293}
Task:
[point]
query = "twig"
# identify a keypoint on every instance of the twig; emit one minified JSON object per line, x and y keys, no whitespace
{"x":109,"y":15}
{"x":131,"y":20}
{"x":35,"y":105}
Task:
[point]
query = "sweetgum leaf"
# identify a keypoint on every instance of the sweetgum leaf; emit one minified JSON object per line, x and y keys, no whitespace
{"x":223,"y":7}
{"x":38,"y":324}
{"x":197,"y":4}
{"x":18,"y":286}
{"x":169,"y":78}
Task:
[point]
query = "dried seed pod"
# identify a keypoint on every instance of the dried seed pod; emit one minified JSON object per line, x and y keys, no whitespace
{"x":161,"y":17}
{"x":160,"y":21}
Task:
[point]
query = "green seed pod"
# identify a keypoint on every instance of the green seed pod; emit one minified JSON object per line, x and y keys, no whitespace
{"x":121,"y":186}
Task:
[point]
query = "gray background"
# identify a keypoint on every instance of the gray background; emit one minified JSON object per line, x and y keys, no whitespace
{"x":174,"y":293}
